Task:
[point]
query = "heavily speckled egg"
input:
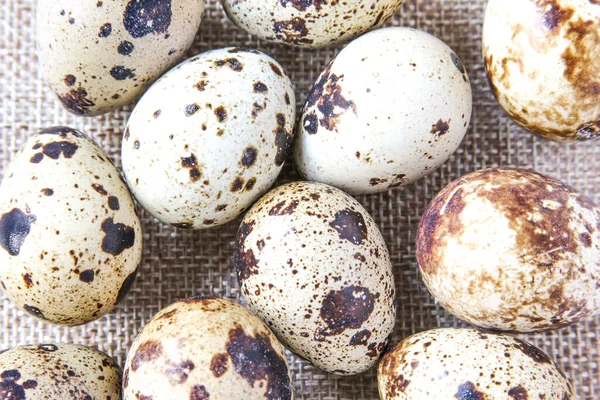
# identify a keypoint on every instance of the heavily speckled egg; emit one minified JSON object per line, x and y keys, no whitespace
{"x":206,"y":348}
{"x":313,"y":265}
{"x":467,"y":364}
{"x":99,"y":55}
{"x":309,"y":23}
{"x":541,"y":58}
{"x":390,"y":108}
{"x":58,"y":371}
{"x":512,"y":250}
{"x":70,"y":238}
{"x":209,"y":137}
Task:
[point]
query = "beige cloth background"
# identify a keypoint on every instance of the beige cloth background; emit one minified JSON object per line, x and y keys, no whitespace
{"x":178,"y":264}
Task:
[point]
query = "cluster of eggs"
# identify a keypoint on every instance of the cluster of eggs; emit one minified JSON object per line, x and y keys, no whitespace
{"x":503,"y":249}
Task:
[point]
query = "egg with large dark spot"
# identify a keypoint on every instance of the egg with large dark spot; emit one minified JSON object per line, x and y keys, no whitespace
{"x":206,"y":348}
{"x":512,"y":250}
{"x":309,"y":23}
{"x":312,"y":264}
{"x":390,"y":108}
{"x":204,"y":143}
{"x":467,"y":364}
{"x":98,"y":58}
{"x":58,"y":371}
{"x":541,"y":59}
{"x":70,"y":239}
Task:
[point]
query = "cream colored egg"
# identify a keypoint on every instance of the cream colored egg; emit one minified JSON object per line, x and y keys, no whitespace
{"x":209,"y":137}
{"x":99,"y":55}
{"x":512,"y":250}
{"x":58,"y":371}
{"x":70,"y":238}
{"x":313,"y":265}
{"x":390,"y":108}
{"x":309,"y":23}
{"x":466,"y":364}
{"x":541,"y":59}
{"x":205,"y":348}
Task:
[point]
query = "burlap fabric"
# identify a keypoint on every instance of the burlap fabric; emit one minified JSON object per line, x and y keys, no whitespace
{"x":179,"y":264}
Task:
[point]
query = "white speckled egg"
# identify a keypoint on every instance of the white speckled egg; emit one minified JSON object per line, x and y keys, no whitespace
{"x":541,"y":59}
{"x":70,"y":238}
{"x":512,"y":250}
{"x":209,"y":137}
{"x":58,"y":371}
{"x":309,"y":23}
{"x":206,"y":348}
{"x":390,"y":108}
{"x":467,"y":364}
{"x":313,"y":265}
{"x":99,"y":55}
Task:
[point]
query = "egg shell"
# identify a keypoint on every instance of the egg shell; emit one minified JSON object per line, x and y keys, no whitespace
{"x":541,"y":58}
{"x":206,"y":348}
{"x":312,"y":23}
{"x":99,"y":55}
{"x":58,"y":371}
{"x":467,"y":364}
{"x":390,"y":108}
{"x":512,"y":250}
{"x":313,"y":265}
{"x":70,"y":238}
{"x":209,"y":137}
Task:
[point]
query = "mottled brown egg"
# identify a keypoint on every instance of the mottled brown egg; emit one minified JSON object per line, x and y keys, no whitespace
{"x":99,"y":55}
{"x":512,"y":250}
{"x":309,"y":23}
{"x":58,"y":371}
{"x":206,"y":348}
{"x":70,"y":238}
{"x":542,"y":61}
{"x":313,"y":265}
{"x":467,"y":364}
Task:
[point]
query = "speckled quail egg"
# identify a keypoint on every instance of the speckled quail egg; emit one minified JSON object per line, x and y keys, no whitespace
{"x":313,"y":265}
{"x":70,"y":238}
{"x":309,"y":23}
{"x":512,"y":250}
{"x":467,"y":364}
{"x":209,"y":137}
{"x":541,"y":58}
{"x":99,"y":55}
{"x":206,"y":348}
{"x":58,"y":371}
{"x":390,"y":108}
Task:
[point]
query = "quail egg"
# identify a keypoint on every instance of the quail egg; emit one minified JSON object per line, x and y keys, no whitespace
{"x":70,"y":238}
{"x":313,"y":265}
{"x":99,"y":55}
{"x":512,"y":250}
{"x":390,"y":108}
{"x":205,"y":348}
{"x":209,"y":137}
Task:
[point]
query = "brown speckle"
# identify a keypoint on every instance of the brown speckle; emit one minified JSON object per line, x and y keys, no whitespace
{"x":440,"y":128}
{"x":117,"y":237}
{"x":221,"y":113}
{"x":345,"y":309}
{"x":350,"y":226}
{"x":249,"y":156}
{"x":218,"y":365}
{"x":146,"y":352}
{"x":468,"y":391}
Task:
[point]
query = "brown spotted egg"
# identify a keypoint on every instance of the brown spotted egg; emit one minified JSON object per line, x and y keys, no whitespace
{"x":58,"y":371}
{"x":467,"y":364}
{"x":313,"y":265}
{"x":390,"y":108}
{"x":512,"y":250}
{"x":206,"y":348}
{"x":309,"y":23}
{"x":70,"y":238}
{"x":99,"y":55}
{"x":541,"y":59}
{"x":209,"y":137}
